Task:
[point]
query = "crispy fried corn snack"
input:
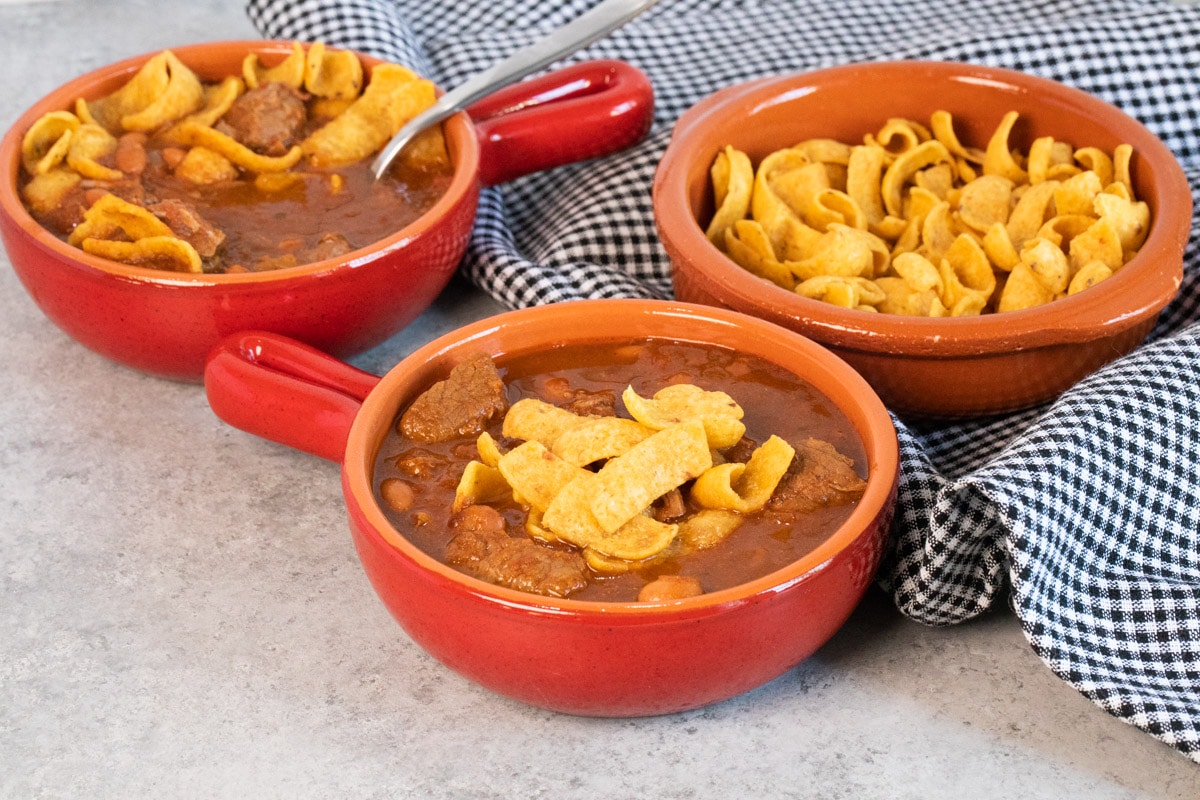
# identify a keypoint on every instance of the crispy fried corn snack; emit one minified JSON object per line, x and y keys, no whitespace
{"x":162,"y":91}
{"x":914,"y":221}
{"x":393,"y":97}
{"x":592,"y":482}
{"x":122,"y":231}
{"x":164,"y":98}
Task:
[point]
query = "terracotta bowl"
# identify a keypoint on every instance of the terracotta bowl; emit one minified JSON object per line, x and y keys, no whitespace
{"x":165,"y":323}
{"x":574,"y":656}
{"x":937,"y":367}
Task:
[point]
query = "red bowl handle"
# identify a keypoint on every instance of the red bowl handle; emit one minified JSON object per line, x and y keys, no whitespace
{"x":572,"y":114}
{"x":286,"y":391}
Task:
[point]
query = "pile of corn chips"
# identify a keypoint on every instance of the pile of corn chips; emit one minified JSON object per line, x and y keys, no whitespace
{"x":671,"y":438}
{"x":166,"y":99}
{"x":913,"y":222}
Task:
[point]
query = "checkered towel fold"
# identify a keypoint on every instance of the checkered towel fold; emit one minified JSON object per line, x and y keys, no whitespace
{"x":1083,"y":514}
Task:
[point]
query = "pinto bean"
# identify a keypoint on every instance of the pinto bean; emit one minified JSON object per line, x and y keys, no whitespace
{"x":669,"y":587}
{"x":397,"y":494}
{"x":130,"y":155}
{"x":478,"y":518}
{"x":173,"y":155}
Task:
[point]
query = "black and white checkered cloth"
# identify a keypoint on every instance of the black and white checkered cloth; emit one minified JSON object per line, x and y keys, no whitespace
{"x":1084,"y":514}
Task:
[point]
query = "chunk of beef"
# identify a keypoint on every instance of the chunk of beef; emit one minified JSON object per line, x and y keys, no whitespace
{"x":490,"y":554}
{"x":182,"y":218}
{"x":558,"y":391}
{"x":267,"y":119}
{"x":741,"y":451}
{"x":461,"y":405}
{"x":669,"y":507}
{"x":63,"y":216}
{"x":328,"y":246}
{"x":592,"y":404}
{"x":819,"y":476}
{"x":418,"y":463}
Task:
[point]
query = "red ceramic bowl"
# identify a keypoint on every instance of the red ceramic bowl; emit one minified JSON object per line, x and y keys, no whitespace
{"x":165,"y":323}
{"x":580,"y":657}
{"x":935,"y":367}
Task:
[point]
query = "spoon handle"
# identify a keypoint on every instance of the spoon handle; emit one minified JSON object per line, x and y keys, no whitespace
{"x":588,"y":27}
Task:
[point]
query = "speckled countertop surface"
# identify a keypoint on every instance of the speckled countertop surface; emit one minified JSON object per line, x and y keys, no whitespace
{"x":182,"y":613}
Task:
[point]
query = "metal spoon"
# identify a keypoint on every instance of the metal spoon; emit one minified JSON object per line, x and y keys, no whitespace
{"x":594,"y":24}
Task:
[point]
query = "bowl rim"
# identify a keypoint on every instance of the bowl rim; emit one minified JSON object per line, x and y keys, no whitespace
{"x":1144,"y":290}
{"x":867,"y":414}
{"x":461,"y":140}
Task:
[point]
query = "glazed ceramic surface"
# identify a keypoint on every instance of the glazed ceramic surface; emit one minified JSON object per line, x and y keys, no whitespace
{"x":165,"y":323}
{"x":579,"y":657}
{"x":936,"y":367}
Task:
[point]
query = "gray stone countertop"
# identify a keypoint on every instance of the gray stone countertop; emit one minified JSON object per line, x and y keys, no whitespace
{"x":182,"y":613}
